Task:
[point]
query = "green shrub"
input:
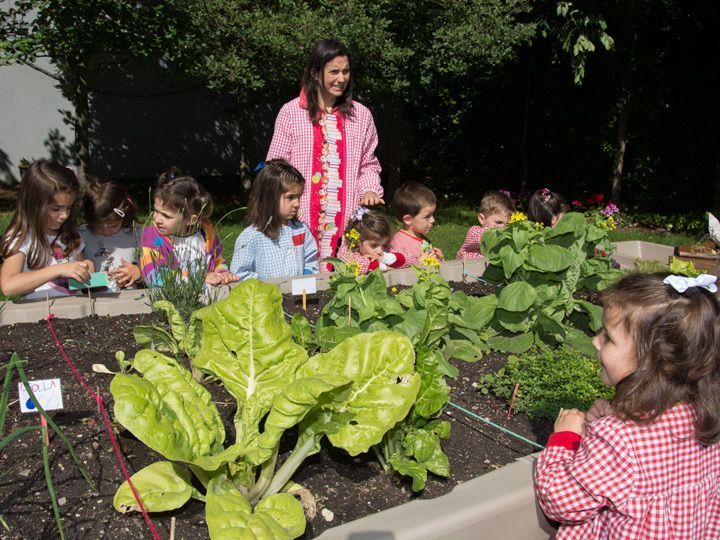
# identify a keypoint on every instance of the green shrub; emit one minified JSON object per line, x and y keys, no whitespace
{"x":549,"y":379}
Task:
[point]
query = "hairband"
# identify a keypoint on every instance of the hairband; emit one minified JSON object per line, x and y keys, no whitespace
{"x":119,"y":212}
{"x":546,"y":194}
{"x":258,"y":167}
{"x":683,"y":283}
{"x":360,"y":212}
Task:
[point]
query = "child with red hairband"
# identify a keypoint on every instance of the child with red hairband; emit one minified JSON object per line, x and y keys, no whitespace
{"x":547,"y":207}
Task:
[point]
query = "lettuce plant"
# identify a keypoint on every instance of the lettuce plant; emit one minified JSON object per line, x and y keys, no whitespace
{"x":352,"y":394}
{"x":539,"y":269}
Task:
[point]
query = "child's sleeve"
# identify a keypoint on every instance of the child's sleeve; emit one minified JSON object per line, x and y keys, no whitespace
{"x":214,"y":250}
{"x":243,"y":259}
{"x":311,"y":265}
{"x":573,"y":486}
{"x":470,"y":248}
{"x":152,"y":258}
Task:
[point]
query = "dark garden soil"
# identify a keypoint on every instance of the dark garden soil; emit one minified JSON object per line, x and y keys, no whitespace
{"x":348,"y":487}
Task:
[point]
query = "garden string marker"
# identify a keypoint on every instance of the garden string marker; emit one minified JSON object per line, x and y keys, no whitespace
{"x":493,"y":424}
{"x":108,"y":428}
{"x":512,"y":402}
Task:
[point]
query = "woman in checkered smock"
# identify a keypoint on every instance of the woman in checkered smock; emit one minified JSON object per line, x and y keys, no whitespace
{"x":647,"y":464}
{"x":331,"y":140}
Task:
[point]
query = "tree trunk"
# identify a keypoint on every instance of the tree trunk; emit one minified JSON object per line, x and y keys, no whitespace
{"x":243,"y":117}
{"x":616,"y":189}
{"x":394,"y":161}
{"x":81,"y":100}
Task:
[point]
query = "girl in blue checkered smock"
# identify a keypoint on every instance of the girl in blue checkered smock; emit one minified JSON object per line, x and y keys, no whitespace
{"x":276,"y":243}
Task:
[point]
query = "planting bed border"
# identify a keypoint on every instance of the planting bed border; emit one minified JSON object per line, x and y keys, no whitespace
{"x":500,"y":504}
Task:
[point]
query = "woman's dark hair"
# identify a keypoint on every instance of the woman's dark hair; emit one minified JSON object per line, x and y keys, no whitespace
{"x":184,"y":194}
{"x":373,"y":225}
{"x":104,"y":199}
{"x":40,"y":183}
{"x":273,"y":180}
{"x":677,"y":351}
{"x":544,"y":205}
{"x":323,"y":52}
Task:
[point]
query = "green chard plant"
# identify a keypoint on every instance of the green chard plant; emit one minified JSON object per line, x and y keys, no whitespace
{"x":539,"y":269}
{"x":352,"y":394}
{"x":439,"y":323}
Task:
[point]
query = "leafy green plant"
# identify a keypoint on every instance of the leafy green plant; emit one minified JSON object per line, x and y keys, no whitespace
{"x":15,"y":364}
{"x":539,"y":269}
{"x":676,"y":266}
{"x":548,"y":379}
{"x":352,"y":394}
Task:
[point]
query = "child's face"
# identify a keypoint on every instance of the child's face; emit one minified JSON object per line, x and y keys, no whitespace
{"x":168,"y":220}
{"x":556,"y":218}
{"x":59,"y":211}
{"x":109,"y":226}
{"x":494,"y":219}
{"x":372,"y":249}
{"x":290,"y":202}
{"x":615,"y":349}
{"x":421,"y":223}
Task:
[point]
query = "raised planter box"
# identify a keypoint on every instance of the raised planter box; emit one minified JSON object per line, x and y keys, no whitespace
{"x":626,"y":252}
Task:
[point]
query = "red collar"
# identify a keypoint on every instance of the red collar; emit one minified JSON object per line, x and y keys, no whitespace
{"x":416,"y":238}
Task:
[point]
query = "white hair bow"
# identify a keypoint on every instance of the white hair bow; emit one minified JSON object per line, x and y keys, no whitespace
{"x":360,"y":212}
{"x":683,"y":283}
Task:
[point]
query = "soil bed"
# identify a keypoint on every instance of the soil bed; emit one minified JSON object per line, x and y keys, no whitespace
{"x":349,"y":487}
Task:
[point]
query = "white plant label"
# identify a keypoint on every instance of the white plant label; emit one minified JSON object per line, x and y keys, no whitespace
{"x":309,"y":284}
{"x":47,"y":392}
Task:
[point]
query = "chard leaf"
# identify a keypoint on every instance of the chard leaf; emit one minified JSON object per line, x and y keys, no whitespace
{"x":247,"y":344}
{"x":175,"y":320}
{"x":580,"y":341}
{"x":162,"y":486}
{"x":229,"y":515}
{"x":329,"y":337}
{"x":167,"y":409}
{"x":517,"y":296}
{"x":434,"y":392}
{"x":512,"y":344}
{"x":549,"y":258}
{"x":193,"y":336}
{"x":469,"y":351}
{"x":384,"y":385}
{"x":572,"y":222}
{"x":154,"y":336}
{"x":301,"y":330}
{"x":513,"y":321}
{"x":411,"y":468}
{"x":412,"y":324}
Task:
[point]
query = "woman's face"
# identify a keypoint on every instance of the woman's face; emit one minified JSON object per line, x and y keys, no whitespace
{"x":335,"y":78}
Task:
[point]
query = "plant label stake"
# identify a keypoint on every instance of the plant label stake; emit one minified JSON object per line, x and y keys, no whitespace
{"x":513,"y":399}
{"x":304,"y":286}
{"x":47,"y":392}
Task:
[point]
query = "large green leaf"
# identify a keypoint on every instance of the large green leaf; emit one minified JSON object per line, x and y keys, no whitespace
{"x":167,"y":409}
{"x":595,"y":313}
{"x":162,"y":486}
{"x":517,"y":296}
{"x":229,"y":515}
{"x":512,"y":344}
{"x":175,"y":320}
{"x":384,"y":385}
{"x":548,"y":258}
{"x":511,"y":259}
{"x":248,"y":345}
{"x":156,"y":337}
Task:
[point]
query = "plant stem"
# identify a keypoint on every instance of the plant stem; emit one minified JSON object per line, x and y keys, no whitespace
{"x":380,"y":457}
{"x":48,"y":480}
{"x":266,"y":473}
{"x":201,"y":475}
{"x":288,"y":468}
{"x":6,"y":390}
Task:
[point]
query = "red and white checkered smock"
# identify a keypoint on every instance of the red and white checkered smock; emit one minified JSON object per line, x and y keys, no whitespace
{"x":630,"y":481}
{"x":293,"y":141}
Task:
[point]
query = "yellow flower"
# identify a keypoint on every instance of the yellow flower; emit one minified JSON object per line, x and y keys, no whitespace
{"x":517,"y":216}
{"x":354,"y":268}
{"x":352,"y":234}
{"x":431,"y":263}
{"x":393,"y":290}
{"x":611,"y":223}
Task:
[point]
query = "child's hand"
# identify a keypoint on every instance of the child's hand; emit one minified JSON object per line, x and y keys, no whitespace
{"x":213,"y":278}
{"x":125,"y":276}
{"x":77,"y":270}
{"x":600,"y":408}
{"x":438,"y":254}
{"x":228,"y":277}
{"x":571,"y":420}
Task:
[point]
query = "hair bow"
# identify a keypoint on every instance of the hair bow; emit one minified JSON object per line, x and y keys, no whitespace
{"x":546,"y":193}
{"x":683,"y":283}
{"x":258,"y":167}
{"x":360,"y":212}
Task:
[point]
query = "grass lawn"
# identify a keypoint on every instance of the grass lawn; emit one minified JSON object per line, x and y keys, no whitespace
{"x":452,"y":222}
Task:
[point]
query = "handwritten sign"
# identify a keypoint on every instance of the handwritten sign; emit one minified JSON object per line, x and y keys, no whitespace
{"x":308,"y":284}
{"x":97,"y":279}
{"x":47,"y":392}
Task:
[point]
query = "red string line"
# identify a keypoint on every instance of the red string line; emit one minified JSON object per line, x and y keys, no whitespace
{"x":98,"y":398}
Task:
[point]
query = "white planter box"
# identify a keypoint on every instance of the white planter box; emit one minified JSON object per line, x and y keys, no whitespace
{"x":626,"y":252}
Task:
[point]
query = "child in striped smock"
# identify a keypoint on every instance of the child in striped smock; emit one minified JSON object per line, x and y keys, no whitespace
{"x":365,"y":243}
{"x":646,"y":465}
{"x":276,"y":243}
